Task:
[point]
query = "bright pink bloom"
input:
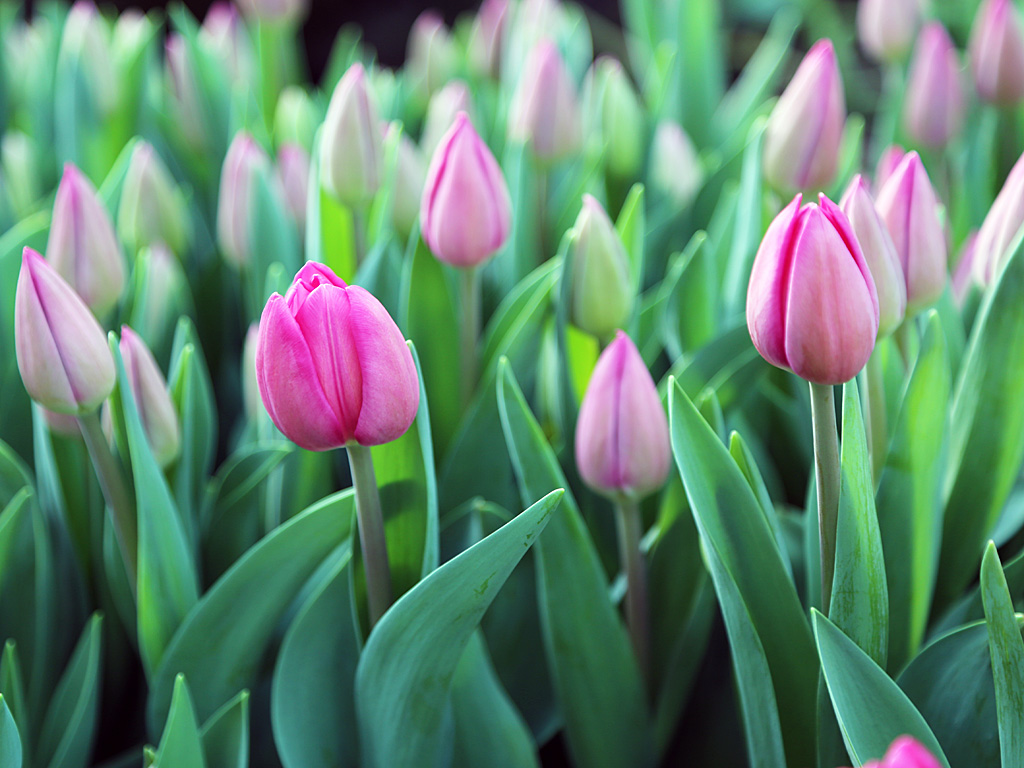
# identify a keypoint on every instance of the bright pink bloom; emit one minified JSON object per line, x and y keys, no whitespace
{"x":546,"y":109}
{"x":466,"y":211}
{"x":997,"y":52}
{"x":887,"y":163}
{"x":622,"y":444}
{"x":811,"y":302}
{"x":905,"y":752}
{"x":934,"y":106}
{"x":332,"y":366}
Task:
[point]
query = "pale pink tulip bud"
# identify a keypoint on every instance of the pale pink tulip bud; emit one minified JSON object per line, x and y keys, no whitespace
{"x":62,"y":351}
{"x":63,"y":424}
{"x":184,"y":90}
{"x":886,"y":28}
{"x":963,"y":274}
{"x":676,"y":169}
{"x":244,"y":160}
{"x":410,"y":174}
{"x":293,"y":175}
{"x":224,"y":34}
{"x":332,"y":366}
{"x":934,"y":106}
{"x":351,"y":149}
{"x":153,"y":401}
{"x":811,"y":302}
{"x":997,"y":53}
{"x":466,"y":210}
{"x":82,"y":246}
{"x":1000,"y":227}
{"x":152,"y":208}
{"x":486,"y":37}
{"x":296,"y":118}
{"x":879,"y":253}
{"x":887,"y":163}
{"x":602,"y":294}
{"x":444,"y":107}
{"x":87,"y":37}
{"x":910,"y":210}
{"x":622,"y":443}
{"x":801,"y":142}
{"x":431,"y":57}
{"x":274,"y":11}
{"x":545,"y":108}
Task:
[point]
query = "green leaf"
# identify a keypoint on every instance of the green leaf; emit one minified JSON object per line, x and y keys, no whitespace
{"x":1007,"y":649}
{"x":871,"y":709}
{"x":221,"y":643}
{"x":744,"y":459}
{"x":12,"y":690}
{"x":11,"y":520}
{"x":860,"y":599}
{"x":180,"y":744}
{"x":10,"y":740}
{"x":631,"y":227}
{"x":225,"y":735}
{"x":690,"y":317}
{"x":701,"y":67}
{"x":748,"y":229}
{"x":732,"y":523}
{"x":606,"y":717}
{"x":729,"y":366}
{"x":405,"y":672}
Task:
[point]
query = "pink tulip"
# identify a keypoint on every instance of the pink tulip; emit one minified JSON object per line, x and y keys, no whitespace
{"x":887,"y":163}
{"x":351,"y":152}
{"x":1000,"y":227}
{"x":905,"y":752}
{"x":811,"y":301}
{"x":245,"y":159}
{"x":622,"y":444}
{"x":62,"y":351}
{"x":466,"y":211}
{"x":224,"y":33}
{"x":997,"y":53}
{"x":444,"y":107}
{"x":82,"y":246}
{"x":293,"y":176}
{"x":153,"y":401}
{"x":886,"y":28}
{"x":332,"y":366}
{"x":801,"y":143}
{"x":485,"y":37}
{"x":545,"y":108}
{"x":910,"y":210}
{"x":934,"y":106}
{"x":430,"y":56}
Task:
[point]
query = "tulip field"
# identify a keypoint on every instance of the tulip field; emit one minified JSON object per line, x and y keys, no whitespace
{"x":582,"y":392}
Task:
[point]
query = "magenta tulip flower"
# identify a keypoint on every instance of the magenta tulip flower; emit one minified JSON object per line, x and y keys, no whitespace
{"x":905,"y":752}
{"x":332,"y":366}
{"x":811,"y":302}
{"x":997,"y":53}
{"x":934,"y":106}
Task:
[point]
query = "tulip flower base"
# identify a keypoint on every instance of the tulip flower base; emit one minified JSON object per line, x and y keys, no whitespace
{"x":625,"y":533}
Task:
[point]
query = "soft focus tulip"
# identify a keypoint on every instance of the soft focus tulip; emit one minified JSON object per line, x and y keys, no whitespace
{"x":444,"y":107}
{"x":245,"y":159}
{"x":887,"y":163}
{"x":351,"y":148}
{"x":963,"y":274}
{"x":886,"y":28}
{"x":274,"y":11}
{"x":82,"y":246}
{"x":801,"y":141}
{"x":811,"y":302}
{"x":62,"y":351}
{"x":332,"y":366}
{"x":615,"y":115}
{"x":410,"y":174}
{"x":152,"y":208}
{"x":465,"y":211}
{"x":225,"y":36}
{"x":164,"y":296}
{"x":183,"y":85}
{"x":21,"y":178}
{"x":293,"y":175}
{"x":675,"y":167}
{"x":295,"y":118}
{"x":910,"y":210}
{"x":153,"y":401}
{"x":997,"y":52}
{"x":997,"y":233}
{"x":622,"y":444}
{"x":934,"y":105}
{"x":485,"y":37}
{"x":602,"y":293}
{"x":431,"y":56}
{"x":545,"y":109}
{"x":87,"y":38}
{"x":879,"y":253}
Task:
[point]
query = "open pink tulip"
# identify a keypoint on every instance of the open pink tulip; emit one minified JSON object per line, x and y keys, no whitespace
{"x":62,"y":351}
{"x":332,"y":366}
{"x":466,"y":211}
{"x":546,"y":109}
{"x":811,"y":302}
{"x":622,"y":444}
{"x":934,"y":107}
{"x":997,"y":53}
{"x":1000,"y":227}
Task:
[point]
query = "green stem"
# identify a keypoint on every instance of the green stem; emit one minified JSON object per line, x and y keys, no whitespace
{"x":115,"y":491}
{"x":371,"y":531}
{"x":470,"y":330}
{"x":877,"y":417}
{"x":627,"y":517}
{"x":827,"y":474}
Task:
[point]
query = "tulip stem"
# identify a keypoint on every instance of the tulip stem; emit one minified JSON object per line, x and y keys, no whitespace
{"x":371,"y":531}
{"x":470,"y":330}
{"x":115,"y":491}
{"x":827,"y":475}
{"x":878,"y":422}
{"x":627,"y":517}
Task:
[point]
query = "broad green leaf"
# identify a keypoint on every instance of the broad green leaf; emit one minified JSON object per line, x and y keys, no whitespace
{"x":1007,"y":650}
{"x":272,"y":237}
{"x":748,"y":229}
{"x":10,"y":739}
{"x":729,"y":366}
{"x":690,"y":317}
{"x":520,"y":307}
{"x":523,"y":251}
{"x":606,"y":717}
{"x":180,"y":744}
{"x":731,"y":521}
{"x":744,"y":459}
{"x":405,"y":673}
{"x":11,"y":520}
{"x":871,"y":709}
{"x":222,"y":642}
{"x":225,"y":735}
{"x":12,"y":690}
{"x":631,"y":227}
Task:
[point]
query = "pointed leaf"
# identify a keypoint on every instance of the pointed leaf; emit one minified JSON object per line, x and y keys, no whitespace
{"x":225,"y":735}
{"x":10,"y":739}
{"x":180,"y":744}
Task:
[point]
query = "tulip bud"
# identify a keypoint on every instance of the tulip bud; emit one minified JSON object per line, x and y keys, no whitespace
{"x":410,"y":174}
{"x":964,"y":271}
{"x":910,"y":210}
{"x":245,"y":159}
{"x":62,"y":351}
{"x":152,"y":208}
{"x":87,"y":37}
{"x":887,"y":27}
{"x":997,"y":53}
{"x":162,"y":296}
{"x":274,"y":11}
{"x":811,"y":302}
{"x":82,"y":246}
{"x":485,"y":37}
{"x":295,"y":118}
{"x":1000,"y":227}
{"x":622,"y":444}
{"x":225,"y":36}
{"x":250,"y":387}
{"x":465,"y":211}
{"x":676,"y":170}
{"x":332,"y":366}
{"x":887,"y":163}
{"x":801,"y":140}
{"x":20,"y":172}
{"x":159,"y":418}
{"x":879,"y":253}
{"x":431,"y":55}
{"x":293,"y":175}
{"x":184,"y":90}
{"x":602,"y":294}
{"x":614,"y":112}
{"x":444,"y":107}
{"x":545,"y":108}
{"x":351,"y":148}
{"x":934,"y":106}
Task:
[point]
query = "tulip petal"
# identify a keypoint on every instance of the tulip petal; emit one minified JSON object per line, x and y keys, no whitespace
{"x":642,"y":435}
